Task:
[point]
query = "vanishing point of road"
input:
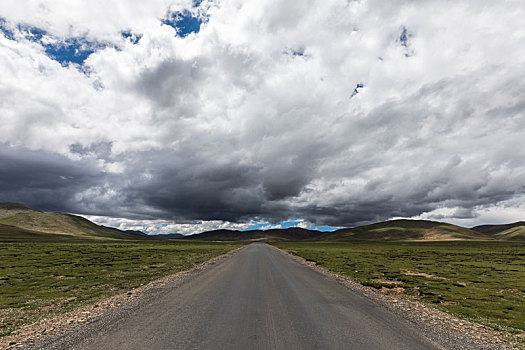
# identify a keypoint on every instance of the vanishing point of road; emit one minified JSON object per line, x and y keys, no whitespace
{"x":259,"y":298}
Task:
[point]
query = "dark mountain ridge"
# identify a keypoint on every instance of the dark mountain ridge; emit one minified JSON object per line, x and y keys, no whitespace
{"x":169,"y":236}
{"x":272,"y":235}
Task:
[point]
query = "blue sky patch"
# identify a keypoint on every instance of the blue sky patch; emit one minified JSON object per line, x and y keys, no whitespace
{"x":184,"y":22}
{"x":5,"y":30}
{"x":291,"y":223}
{"x":196,"y":3}
{"x":403,"y":38}
{"x":404,"y":41}
{"x":132,"y":37}
{"x":254,"y":225}
{"x":324,"y":228}
{"x":70,"y":50}
{"x":31,"y":33}
{"x":356,"y":90}
{"x":297,"y":52}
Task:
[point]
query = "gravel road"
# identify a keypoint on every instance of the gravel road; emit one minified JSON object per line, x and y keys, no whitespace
{"x":259,"y":298}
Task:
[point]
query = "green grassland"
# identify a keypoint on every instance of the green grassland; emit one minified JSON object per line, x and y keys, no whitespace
{"x":40,"y":279}
{"x":476,"y":280}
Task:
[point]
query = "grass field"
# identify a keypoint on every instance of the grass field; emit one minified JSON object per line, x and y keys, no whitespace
{"x":42,"y":279}
{"x":480,"y":281}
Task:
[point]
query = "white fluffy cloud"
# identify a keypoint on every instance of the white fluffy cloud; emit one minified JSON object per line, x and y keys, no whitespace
{"x":336,"y":112}
{"x":155,"y":227}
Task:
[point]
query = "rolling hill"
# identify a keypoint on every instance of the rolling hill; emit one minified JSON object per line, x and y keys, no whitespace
{"x":9,"y":209}
{"x":514,"y":231}
{"x":18,"y":221}
{"x":404,"y":230}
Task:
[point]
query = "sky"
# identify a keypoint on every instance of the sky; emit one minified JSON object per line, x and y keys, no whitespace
{"x":186,"y":116}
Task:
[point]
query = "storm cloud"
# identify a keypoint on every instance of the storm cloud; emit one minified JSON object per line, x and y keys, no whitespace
{"x":233,"y":112}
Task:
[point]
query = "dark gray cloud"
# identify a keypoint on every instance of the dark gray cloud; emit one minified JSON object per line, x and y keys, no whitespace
{"x":257,"y":117}
{"x":48,"y":181}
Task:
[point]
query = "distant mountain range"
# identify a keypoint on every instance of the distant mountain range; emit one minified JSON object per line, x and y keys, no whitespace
{"x":420,"y":230}
{"x":168,"y":236}
{"x":274,"y":235}
{"x":21,"y":222}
